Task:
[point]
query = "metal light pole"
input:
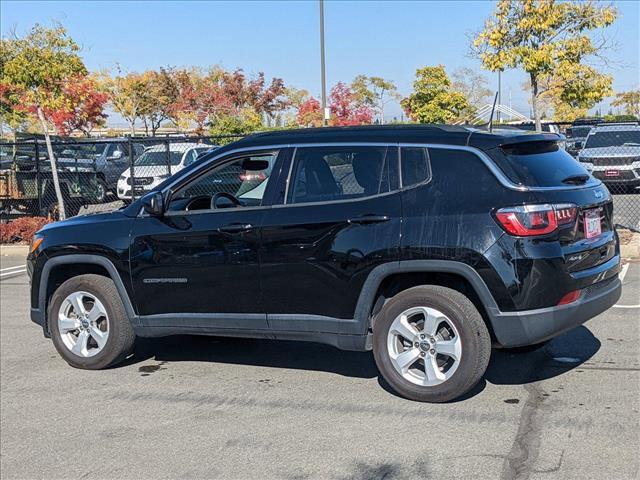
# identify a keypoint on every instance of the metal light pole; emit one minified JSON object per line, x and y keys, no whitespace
{"x":325,"y":110}
{"x":499,"y":95}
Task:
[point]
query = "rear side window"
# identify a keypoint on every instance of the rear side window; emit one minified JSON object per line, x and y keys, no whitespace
{"x":414,"y":165}
{"x":539,"y":164}
{"x":323,"y":174}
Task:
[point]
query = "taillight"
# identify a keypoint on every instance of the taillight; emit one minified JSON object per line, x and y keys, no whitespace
{"x":530,"y":220}
{"x":570,"y":297}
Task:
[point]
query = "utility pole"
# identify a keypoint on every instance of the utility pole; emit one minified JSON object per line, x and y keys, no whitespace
{"x":499,"y":95}
{"x":325,"y":110}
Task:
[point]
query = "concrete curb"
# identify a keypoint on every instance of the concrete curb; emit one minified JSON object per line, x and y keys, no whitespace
{"x":632,"y":248}
{"x":14,"y":250}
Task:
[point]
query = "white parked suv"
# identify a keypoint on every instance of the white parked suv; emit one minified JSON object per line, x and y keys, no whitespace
{"x":157,"y":164}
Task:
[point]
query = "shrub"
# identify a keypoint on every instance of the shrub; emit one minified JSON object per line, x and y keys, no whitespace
{"x":21,"y":230}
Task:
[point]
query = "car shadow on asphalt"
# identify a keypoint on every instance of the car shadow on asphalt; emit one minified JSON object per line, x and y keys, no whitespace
{"x":562,"y":354}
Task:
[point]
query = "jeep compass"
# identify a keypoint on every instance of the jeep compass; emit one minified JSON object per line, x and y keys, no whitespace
{"x":426,"y":244}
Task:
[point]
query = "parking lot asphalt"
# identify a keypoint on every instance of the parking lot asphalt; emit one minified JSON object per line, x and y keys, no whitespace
{"x":205,"y":407}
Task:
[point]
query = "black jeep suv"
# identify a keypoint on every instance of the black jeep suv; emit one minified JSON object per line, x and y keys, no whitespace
{"x":426,"y":244}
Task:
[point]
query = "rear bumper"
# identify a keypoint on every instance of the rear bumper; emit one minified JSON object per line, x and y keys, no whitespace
{"x":514,"y":329}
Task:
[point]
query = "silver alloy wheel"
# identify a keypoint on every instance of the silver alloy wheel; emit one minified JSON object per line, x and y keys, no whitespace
{"x":101,"y":192}
{"x":83,"y":324}
{"x":424,"y":346}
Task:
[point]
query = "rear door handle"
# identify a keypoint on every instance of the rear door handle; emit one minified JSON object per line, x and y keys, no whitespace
{"x":364,"y":219}
{"x":235,"y":228}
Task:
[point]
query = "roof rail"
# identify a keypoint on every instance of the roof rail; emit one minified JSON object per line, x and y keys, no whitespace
{"x":616,"y":124}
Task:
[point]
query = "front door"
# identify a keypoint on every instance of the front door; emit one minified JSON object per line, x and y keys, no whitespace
{"x":198,"y":266}
{"x":340,"y":220}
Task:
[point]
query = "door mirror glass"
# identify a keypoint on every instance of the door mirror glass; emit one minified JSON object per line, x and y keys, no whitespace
{"x":153,"y":204}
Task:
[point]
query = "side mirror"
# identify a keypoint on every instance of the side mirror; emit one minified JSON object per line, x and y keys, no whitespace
{"x":153,"y":204}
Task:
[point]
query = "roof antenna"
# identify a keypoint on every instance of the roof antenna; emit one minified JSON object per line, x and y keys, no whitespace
{"x":493,"y":109}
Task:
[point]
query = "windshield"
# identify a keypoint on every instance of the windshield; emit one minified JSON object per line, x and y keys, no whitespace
{"x":578,"y":132}
{"x":538,"y":164}
{"x":81,"y":151}
{"x":613,"y":138}
{"x":158,"y":158}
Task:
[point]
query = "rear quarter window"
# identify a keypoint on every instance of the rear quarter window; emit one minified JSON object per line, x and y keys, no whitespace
{"x":537,"y":164}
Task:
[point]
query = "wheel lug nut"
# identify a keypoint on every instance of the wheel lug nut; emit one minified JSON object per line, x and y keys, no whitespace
{"x":416,"y":344}
{"x":422,"y":354}
{"x":432,"y":351}
{"x":422,"y":337}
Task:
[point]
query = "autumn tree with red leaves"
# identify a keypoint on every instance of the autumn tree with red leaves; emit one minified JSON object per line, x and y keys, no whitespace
{"x":82,"y":109}
{"x":345,"y":106}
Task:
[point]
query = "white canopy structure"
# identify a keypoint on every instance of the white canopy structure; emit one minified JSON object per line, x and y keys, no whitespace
{"x":484,"y":113}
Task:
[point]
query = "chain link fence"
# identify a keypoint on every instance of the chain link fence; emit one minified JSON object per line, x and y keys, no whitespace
{"x":94,"y":175}
{"x":611,"y":153}
{"x":104,"y":174}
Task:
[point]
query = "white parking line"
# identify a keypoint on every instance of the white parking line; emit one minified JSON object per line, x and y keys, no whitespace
{"x":16,"y":267}
{"x":12,"y":273}
{"x":623,"y":273}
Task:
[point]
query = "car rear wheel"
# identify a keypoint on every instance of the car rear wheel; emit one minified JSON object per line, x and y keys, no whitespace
{"x":89,"y":324}
{"x":431,"y":344}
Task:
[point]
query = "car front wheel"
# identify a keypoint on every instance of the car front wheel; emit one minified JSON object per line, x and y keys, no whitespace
{"x":431,"y":344}
{"x":88,"y":322}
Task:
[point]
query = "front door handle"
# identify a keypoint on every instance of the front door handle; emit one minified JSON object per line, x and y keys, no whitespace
{"x":364,"y":219}
{"x":235,"y":228}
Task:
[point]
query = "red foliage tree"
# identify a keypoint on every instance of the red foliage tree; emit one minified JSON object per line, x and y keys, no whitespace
{"x":346,"y":109}
{"x":309,"y":113}
{"x":82,"y":108}
{"x":344,"y":105}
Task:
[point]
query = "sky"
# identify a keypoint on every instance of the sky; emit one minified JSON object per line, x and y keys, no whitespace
{"x":390,"y":39}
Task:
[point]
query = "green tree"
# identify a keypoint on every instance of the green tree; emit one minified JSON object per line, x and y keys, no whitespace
{"x":128,"y":93}
{"x":375,"y":92}
{"x":433,"y":99}
{"x":243,"y":122}
{"x":37,"y":66}
{"x":629,"y":101}
{"x":161,"y":95}
{"x":547,"y":38}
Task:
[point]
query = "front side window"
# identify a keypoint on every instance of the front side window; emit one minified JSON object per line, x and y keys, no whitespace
{"x":240,"y":182}
{"x":324,"y":174}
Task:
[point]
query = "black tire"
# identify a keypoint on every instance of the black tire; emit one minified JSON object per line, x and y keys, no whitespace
{"x":102,"y":191}
{"x":475,"y":338}
{"x":121,"y":337}
{"x":51,"y":210}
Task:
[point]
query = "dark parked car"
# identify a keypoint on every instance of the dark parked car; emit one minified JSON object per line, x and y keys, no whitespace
{"x":425,"y":244}
{"x":576,"y":136}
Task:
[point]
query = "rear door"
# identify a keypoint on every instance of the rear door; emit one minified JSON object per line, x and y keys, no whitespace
{"x":339,"y":217}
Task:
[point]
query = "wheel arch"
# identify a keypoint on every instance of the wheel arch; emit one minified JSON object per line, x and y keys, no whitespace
{"x":411,"y":273}
{"x":59,"y":269}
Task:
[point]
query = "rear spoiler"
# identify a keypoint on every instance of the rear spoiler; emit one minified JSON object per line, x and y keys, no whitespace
{"x":487,"y":142}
